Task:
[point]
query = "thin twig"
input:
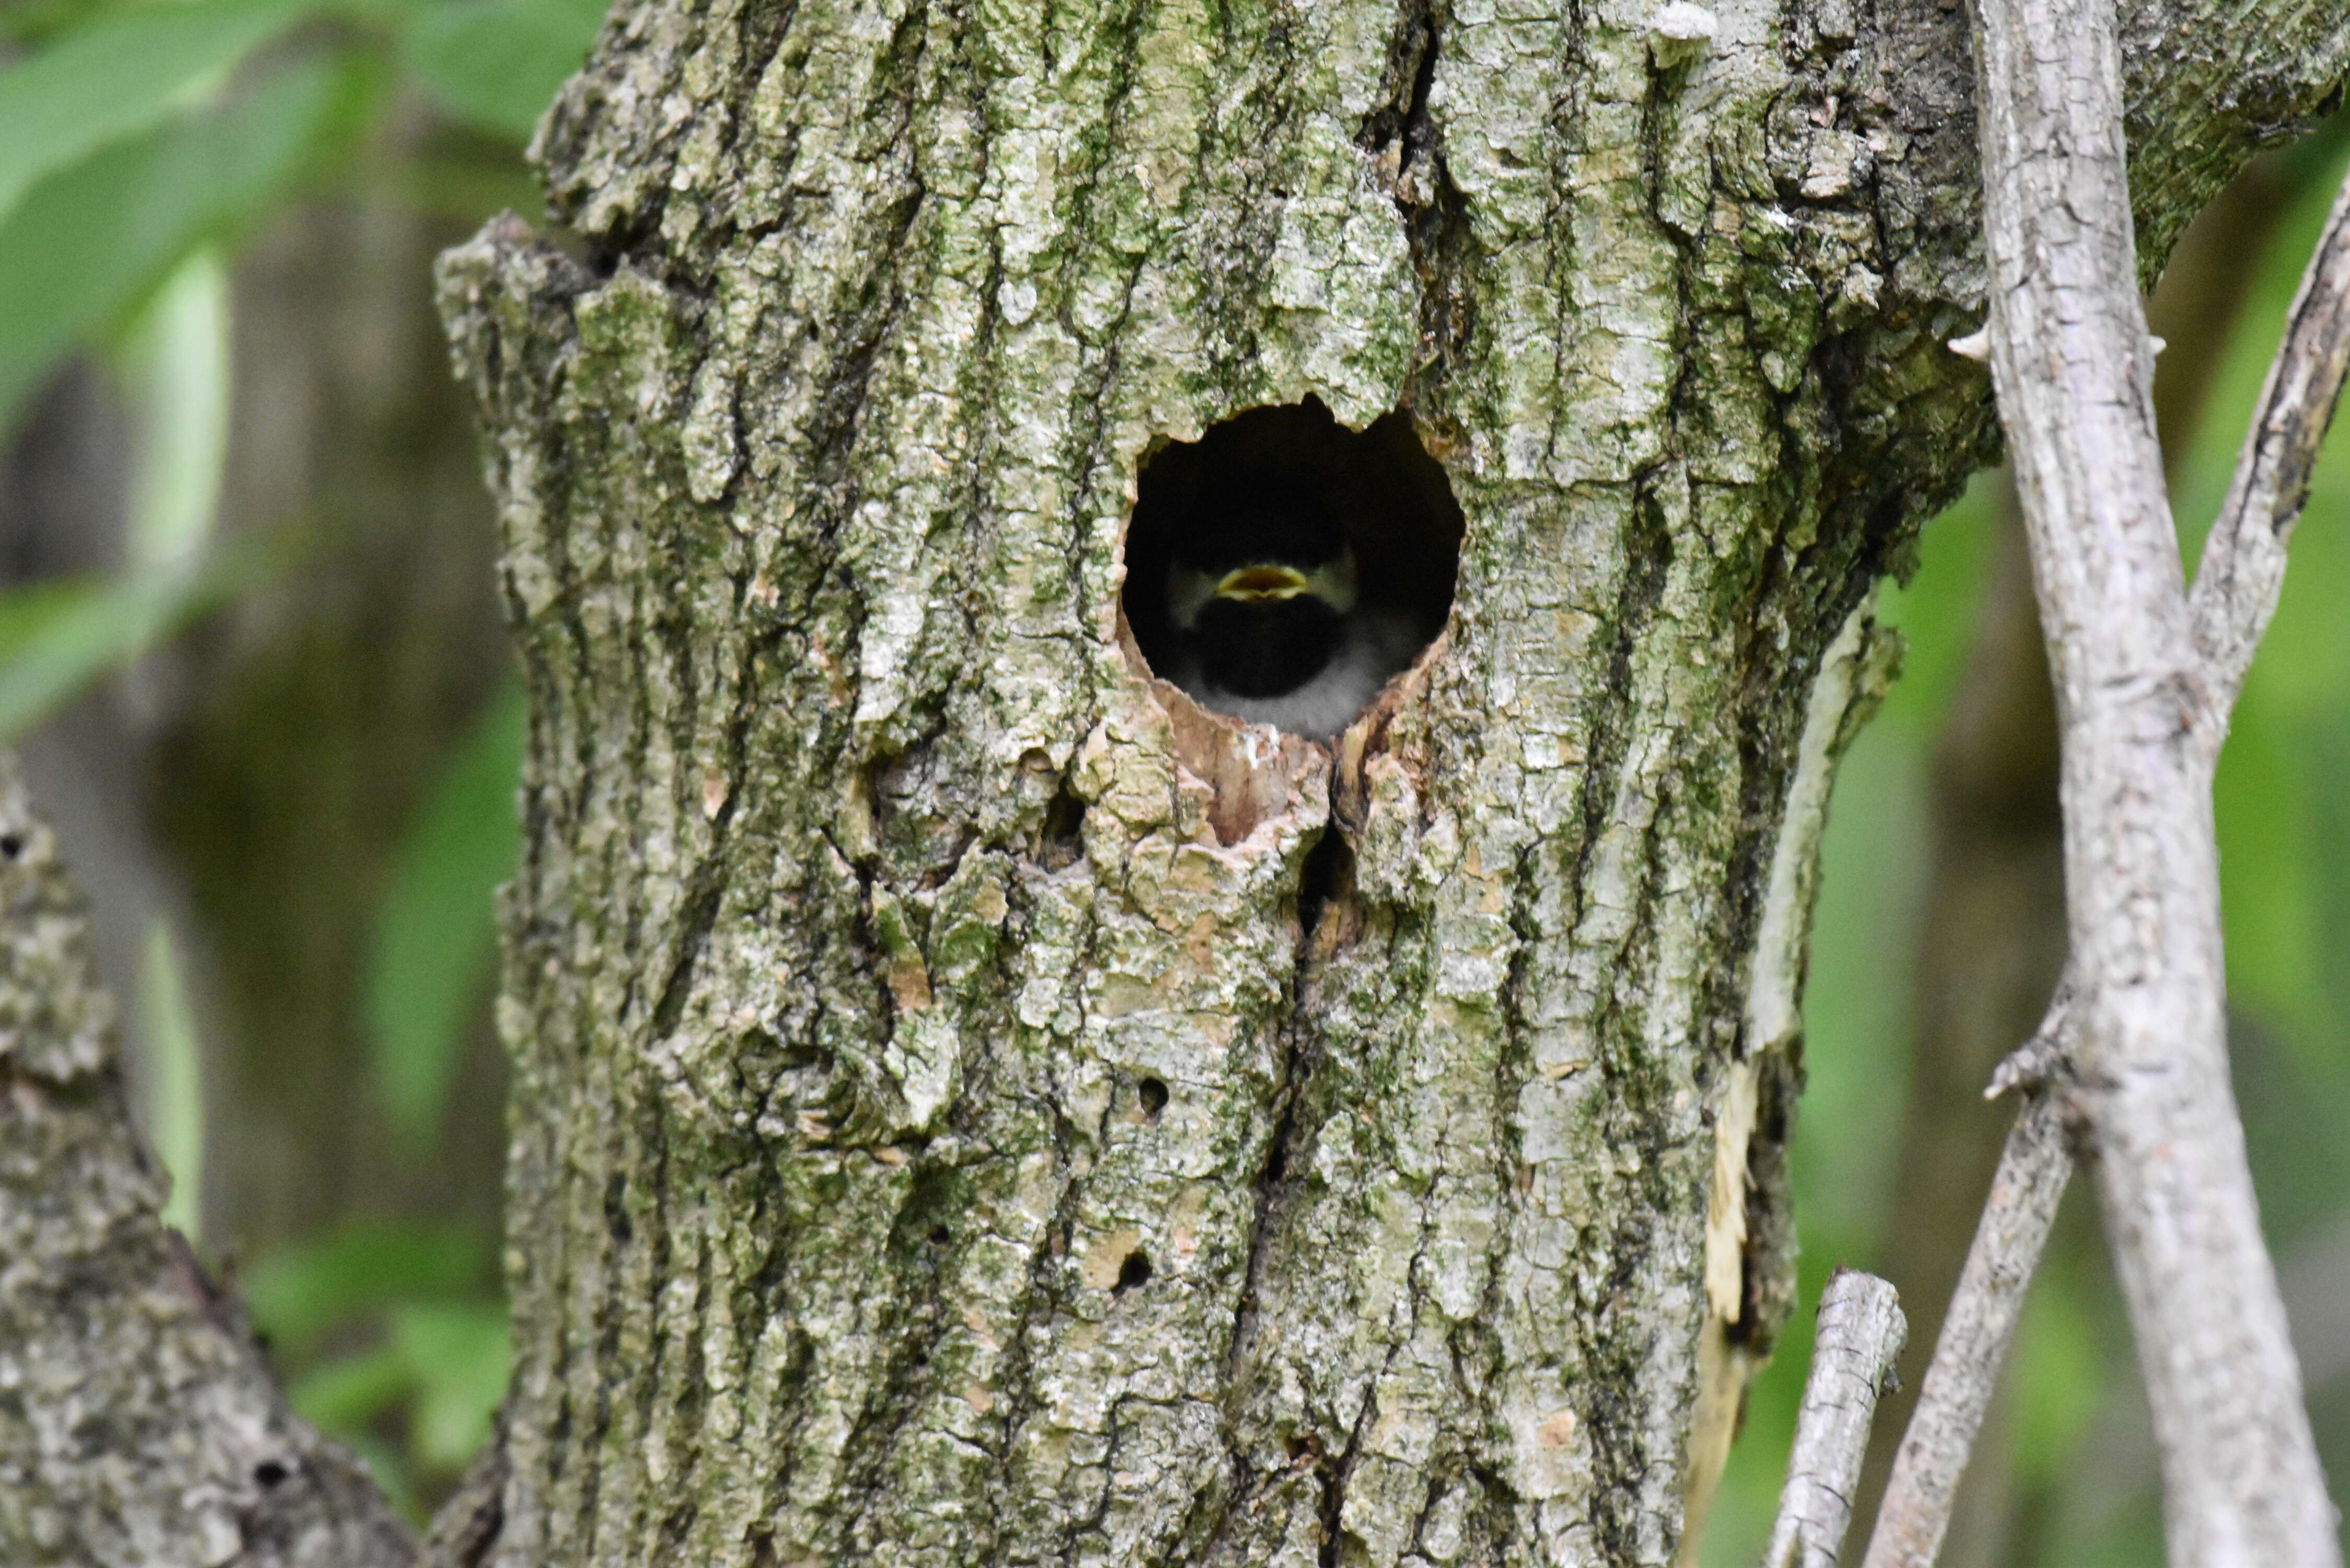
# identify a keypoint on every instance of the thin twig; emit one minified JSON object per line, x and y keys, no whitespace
{"x":1854,"y":1345}
{"x":1975,"y":1335}
{"x":2072,"y":363}
{"x":2243,"y":569}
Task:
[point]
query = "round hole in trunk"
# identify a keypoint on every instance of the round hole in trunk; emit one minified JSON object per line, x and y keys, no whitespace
{"x":1282,"y":567}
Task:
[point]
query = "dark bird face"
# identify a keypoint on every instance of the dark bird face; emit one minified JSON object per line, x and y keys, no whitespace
{"x":1262,"y":589}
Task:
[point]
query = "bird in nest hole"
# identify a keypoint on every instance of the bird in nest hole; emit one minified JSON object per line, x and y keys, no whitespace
{"x":1270,"y":623}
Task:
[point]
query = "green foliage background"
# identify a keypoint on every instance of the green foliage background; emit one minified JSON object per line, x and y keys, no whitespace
{"x":139,"y":144}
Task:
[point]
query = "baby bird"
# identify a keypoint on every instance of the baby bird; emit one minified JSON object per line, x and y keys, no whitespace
{"x":1269,"y":622}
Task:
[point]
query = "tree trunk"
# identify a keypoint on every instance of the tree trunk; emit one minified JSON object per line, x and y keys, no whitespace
{"x":973,"y":1105}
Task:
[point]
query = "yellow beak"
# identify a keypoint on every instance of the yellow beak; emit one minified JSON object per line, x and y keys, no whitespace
{"x":1262,"y":584}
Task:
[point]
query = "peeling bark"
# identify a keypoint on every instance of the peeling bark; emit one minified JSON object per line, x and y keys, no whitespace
{"x":973,"y":1105}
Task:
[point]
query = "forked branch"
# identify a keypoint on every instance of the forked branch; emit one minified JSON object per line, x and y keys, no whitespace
{"x":2235,"y":593}
{"x":2145,"y":679}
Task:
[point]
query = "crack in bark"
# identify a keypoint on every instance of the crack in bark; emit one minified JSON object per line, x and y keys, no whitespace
{"x":1433,"y":210}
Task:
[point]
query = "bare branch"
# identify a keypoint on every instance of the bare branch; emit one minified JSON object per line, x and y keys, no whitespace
{"x":2235,"y":593}
{"x":2072,"y":366}
{"x":1976,"y":1332}
{"x":2243,"y":569}
{"x":1859,"y":1333}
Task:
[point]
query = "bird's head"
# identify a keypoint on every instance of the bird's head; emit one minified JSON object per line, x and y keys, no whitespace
{"x":1263,"y":586}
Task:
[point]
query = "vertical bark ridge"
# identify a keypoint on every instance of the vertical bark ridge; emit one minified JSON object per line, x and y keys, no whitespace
{"x":862,"y":1240}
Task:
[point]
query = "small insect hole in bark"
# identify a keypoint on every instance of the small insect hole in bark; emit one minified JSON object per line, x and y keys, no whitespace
{"x":1282,"y":567}
{"x":616,"y":1208}
{"x":1152,"y":1094}
{"x":12,"y":845}
{"x":269,"y":1474}
{"x":1062,"y":843}
{"x":941,"y":1236}
{"x":1132,"y":1274}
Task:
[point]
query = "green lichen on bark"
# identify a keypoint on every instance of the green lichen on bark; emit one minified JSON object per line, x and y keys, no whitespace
{"x":970,"y":1105}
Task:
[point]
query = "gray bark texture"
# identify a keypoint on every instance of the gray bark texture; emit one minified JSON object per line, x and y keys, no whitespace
{"x":138,"y":1422}
{"x":972,"y":1106}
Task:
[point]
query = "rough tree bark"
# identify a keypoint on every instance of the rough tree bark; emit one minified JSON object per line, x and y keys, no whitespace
{"x":971,"y":1105}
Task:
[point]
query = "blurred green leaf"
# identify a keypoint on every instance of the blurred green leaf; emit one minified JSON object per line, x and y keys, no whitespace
{"x":436,"y":932}
{"x":31,"y":23}
{"x":348,"y":1394}
{"x":499,"y":62}
{"x":441,"y":1364}
{"x":57,"y":638}
{"x":118,"y":74}
{"x":301,"y":1291}
{"x":89,"y":241}
{"x":458,"y":1355}
{"x":176,"y":367}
